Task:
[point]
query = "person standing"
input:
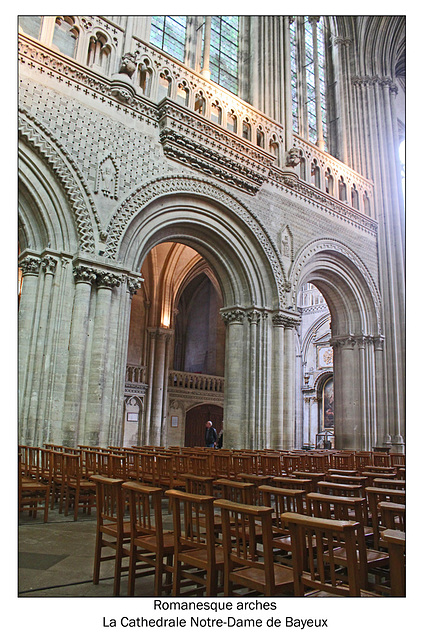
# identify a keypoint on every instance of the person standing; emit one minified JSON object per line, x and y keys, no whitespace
{"x":210,"y":435}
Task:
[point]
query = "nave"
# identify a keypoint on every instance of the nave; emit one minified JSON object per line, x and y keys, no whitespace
{"x":156,"y":521}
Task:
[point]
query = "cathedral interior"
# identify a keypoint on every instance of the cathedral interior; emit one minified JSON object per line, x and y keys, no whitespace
{"x":212,"y":228}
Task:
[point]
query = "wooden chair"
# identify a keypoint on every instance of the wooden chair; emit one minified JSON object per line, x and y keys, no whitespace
{"x":235,"y":491}
{"x":33,"y":495}
{"x":221,"y":464}
{"x":151,"y":548}
{"x":281,"y":500}
{"x":57,"y":479}
{"x":395,"y":542}
{"x":341,"y":479}
{"x":397,"y":459}
{"x":165,"y":473}
{"x":393,"y":515}
{"x":78,"y":490}
{"x":197,"y":557}
{"x":314,"y":476}
{"x":375,"y":495}
{"x":271,"y":464}
{"x":343,"y":460}
{"x":380,"y":459}
{"x":320,"y":574}
{"x":349,"y":509}
{"x":111,"y":530}
{"x":248,"y":563}
{"x":362,"y":459}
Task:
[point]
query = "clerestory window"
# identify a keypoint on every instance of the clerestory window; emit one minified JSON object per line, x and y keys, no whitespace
{"x":223,"y":61}
{"x":168,"y":34}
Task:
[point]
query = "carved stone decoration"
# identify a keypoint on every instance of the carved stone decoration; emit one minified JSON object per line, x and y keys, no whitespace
{"x":84,"y":274}
{"x":49,"y":264}
{"x":121,"y":85}
{"x":254,"y":317}
{"x":286,"y":321}
{"x":293,"y":157}
{"x":177,"y":184}
{"x":30,"y":266}
{"x":107,"y":280}
{"x":107,"y":178}
{"x":133,"y":285}
{"x":68,"y":174}
{"x":234,"y":316}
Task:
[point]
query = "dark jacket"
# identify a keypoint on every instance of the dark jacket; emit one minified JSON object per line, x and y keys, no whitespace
{"x":210,"y":435}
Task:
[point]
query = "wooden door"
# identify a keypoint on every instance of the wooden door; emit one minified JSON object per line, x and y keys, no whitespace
{"x":195,"y":421}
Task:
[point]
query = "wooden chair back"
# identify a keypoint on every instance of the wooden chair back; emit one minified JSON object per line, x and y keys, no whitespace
{"x":339,"y":489}
{"x":375,"y":495}
{"x":197,"y":558}
{"x":248,"y":556}
{"x":393,"y":515}
{"x":109,"y":527}
{"x":151,"y":547}
{"x":235,"y":491}
{"x":323,"y":571}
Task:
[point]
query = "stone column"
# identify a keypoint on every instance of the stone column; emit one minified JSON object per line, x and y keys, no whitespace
{"x":97,"y":417}
{"x":36,"y":392}
{"x":288,"y":84}
{"x":159,"y":363}
{"x":253,"y":400}
{"x":346,"y":384}
{"x":319,"y":124}
{"x":72,"y":421}
{"x":30,"y":266}
{"x":235,"y":381}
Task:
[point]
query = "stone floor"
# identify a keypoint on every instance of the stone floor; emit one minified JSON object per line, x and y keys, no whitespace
{"x":56,"y":558}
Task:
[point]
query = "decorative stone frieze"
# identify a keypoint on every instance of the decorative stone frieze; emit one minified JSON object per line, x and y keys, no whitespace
{"x":190,"y":138}
{"x":30,"y":266}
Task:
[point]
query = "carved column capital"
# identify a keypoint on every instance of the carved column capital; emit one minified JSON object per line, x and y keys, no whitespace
{"x":49,"y":264}
{"x":133,"y":284}
{"x":30,"y":266}
{"x":378,"y":343}
{"x":285,"y":321}
{"x":84,"y":274}
{"x":233,"y":316}
{"x":344,"y":342}
{"x":107,"y":280}
{"x":254,"y":317}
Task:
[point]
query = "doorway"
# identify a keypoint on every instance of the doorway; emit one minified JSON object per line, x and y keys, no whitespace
{"x":195,"y":421}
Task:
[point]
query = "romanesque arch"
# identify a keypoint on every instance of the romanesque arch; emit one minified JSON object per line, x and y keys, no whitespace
{"x":248,"y":268}
{"x":356,"y":337}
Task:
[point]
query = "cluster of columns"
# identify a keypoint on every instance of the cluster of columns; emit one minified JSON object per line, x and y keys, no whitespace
{"x":259,"y":397}
{"x":73,"y":328}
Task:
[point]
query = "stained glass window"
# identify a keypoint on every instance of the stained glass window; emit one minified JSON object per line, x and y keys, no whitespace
{"x":168,"y":34}
{"x":223,"y":51}
{"x":310,"y":97}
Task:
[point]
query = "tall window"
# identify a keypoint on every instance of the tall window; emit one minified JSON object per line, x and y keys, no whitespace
{"x":168,"y":34}
{"x":223,"y":51}
{"x":303,"y":78}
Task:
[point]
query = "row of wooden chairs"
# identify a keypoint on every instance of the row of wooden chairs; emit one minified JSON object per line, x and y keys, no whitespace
{"x":68,"y":472}
{"x":203,"y":543}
